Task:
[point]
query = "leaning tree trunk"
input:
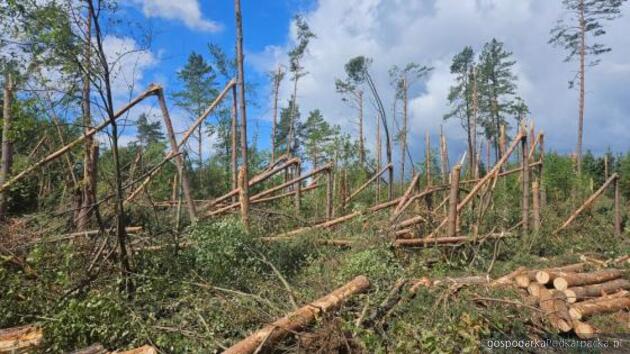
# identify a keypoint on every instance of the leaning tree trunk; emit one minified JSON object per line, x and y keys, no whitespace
{"x":243,"y":111}
{"x":7,"y":144}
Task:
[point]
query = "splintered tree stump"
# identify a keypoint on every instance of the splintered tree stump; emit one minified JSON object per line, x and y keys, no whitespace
{"x":595,"y":290}
{"x":564,"y":281}
{"x":298,"y":319}
{"x":20,"y":339}
{"x":605,"y":305}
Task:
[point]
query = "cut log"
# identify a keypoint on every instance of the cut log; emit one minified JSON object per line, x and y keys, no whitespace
{"x":534,"y":289}
{"x":92,"y":349}
{"x":564,"y":281}
{"x":583,"y":330}
{"x":145,"y":349}
{"x":20,"y":339}
{"x":605,"y":305}
{"x":522,"y":280}
{"x":549,"y":303}
{"x":296,"y":320}
{"x":595,"y":290}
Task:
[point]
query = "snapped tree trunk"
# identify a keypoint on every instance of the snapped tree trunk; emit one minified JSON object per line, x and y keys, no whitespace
{"x":581,"y":75}
{"x":243,"y":111}
{"x":234,"y":138}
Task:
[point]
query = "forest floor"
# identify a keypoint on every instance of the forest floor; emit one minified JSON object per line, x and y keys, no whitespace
{"x":222,"y":283}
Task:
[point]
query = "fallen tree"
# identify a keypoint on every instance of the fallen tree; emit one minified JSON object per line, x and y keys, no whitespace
{"x":296,"y":320}
{"x":523,"y":280}
{"x":20,"y":339}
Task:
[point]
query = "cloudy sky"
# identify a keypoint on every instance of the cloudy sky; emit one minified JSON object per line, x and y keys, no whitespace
{"x":392,"y":32}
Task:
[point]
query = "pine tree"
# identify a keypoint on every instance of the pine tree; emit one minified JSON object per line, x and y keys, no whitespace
{"x":198,"y":79}
{"x":317,"y":135}
{"x":497,"y":91}
{"x":304,"y":36}
{"x":148,"y":133}
{"x":460,"y":97}
{"x":289,"y":122}
{"x":353,"y":95}
{"x":576,"y":33}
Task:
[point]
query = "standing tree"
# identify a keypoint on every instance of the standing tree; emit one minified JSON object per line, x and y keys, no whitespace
{"x":353,"y":94}
{"x":289,"y":122}
{"x":318,"y":135}
{"x":243,"y":112}
{"x":148,"y":133}
{"x":460,"y":97}
{"x":497,"y":89}
{"x":276,"y":77}
{"x":6,"y":157}
{"x":198,"y":78}
{"x":304,"y":36}
{"x":402,"y":79}
{"x":357,"y":70}
{"x":576,"y":33}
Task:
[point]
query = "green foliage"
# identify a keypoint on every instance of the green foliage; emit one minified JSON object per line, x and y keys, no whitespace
{"x":223,"y":252}
{"x":559,"y":177}
{"x":148,"y":132}
{"x":377,"y":264}
{"x":98,"y":317}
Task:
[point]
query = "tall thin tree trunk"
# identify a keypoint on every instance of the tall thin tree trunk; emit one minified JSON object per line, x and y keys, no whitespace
{"x":276,"y":91}
{"x":444,"y":164}
{"x":7,"y":144}
{"x":474,"y":163}
{"x":243,"y":111}
{"x":290,"y":135}
{"x":89,"y":168}
{"x":234,"y":136}
{"x":581,"y":74}
{"x":403,"y":137}
{"x":378,"y":156}
{"x":361,"y":137}
{"x":427,"y":153}
{"x":119,"y":210}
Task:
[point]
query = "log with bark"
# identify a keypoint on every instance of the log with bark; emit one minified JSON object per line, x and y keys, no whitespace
{"x":20,"y":339}
{"x":564,"y":281}
{"x":604,"y":305}
{"x":578,"y":293}
{"x":298,"y":319}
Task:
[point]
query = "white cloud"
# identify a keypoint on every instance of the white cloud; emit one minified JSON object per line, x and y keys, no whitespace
{"x":127,"y":61}
{"x":431,"y":32}
{"x":186,"y":11}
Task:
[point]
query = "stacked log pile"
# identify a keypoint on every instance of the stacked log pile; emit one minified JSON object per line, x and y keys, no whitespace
{"x":568,"y":295}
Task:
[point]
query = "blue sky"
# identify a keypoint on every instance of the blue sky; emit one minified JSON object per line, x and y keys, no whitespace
{"x":393,"y":32}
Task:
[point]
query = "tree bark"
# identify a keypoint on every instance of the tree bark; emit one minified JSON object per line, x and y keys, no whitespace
{"x":403,"y":137}
{"x":618,"y":228}
{"x":564,"y":281}
{"x":89,"y":164}
{"x":179,"y":159}
{"x":378,"y":156}
{"x":524,"y":279}
{"x":581,"y":74}
{"x":605,"y":305}
{"x":536,"y":206}
{"x":525,"y":183}
{"x":453,"y":201}
{"x":298,"y":319}
{"x":361,"y":134}
{"x":243,"y":111}
{"x":578,"y":293}
{"x":276,"y":93}
{"x":7,"y":143}
{"x":234,"y":138}
{"x":443,"y":157}
{"x":329,"y":194}
{"x":20,"y":339}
